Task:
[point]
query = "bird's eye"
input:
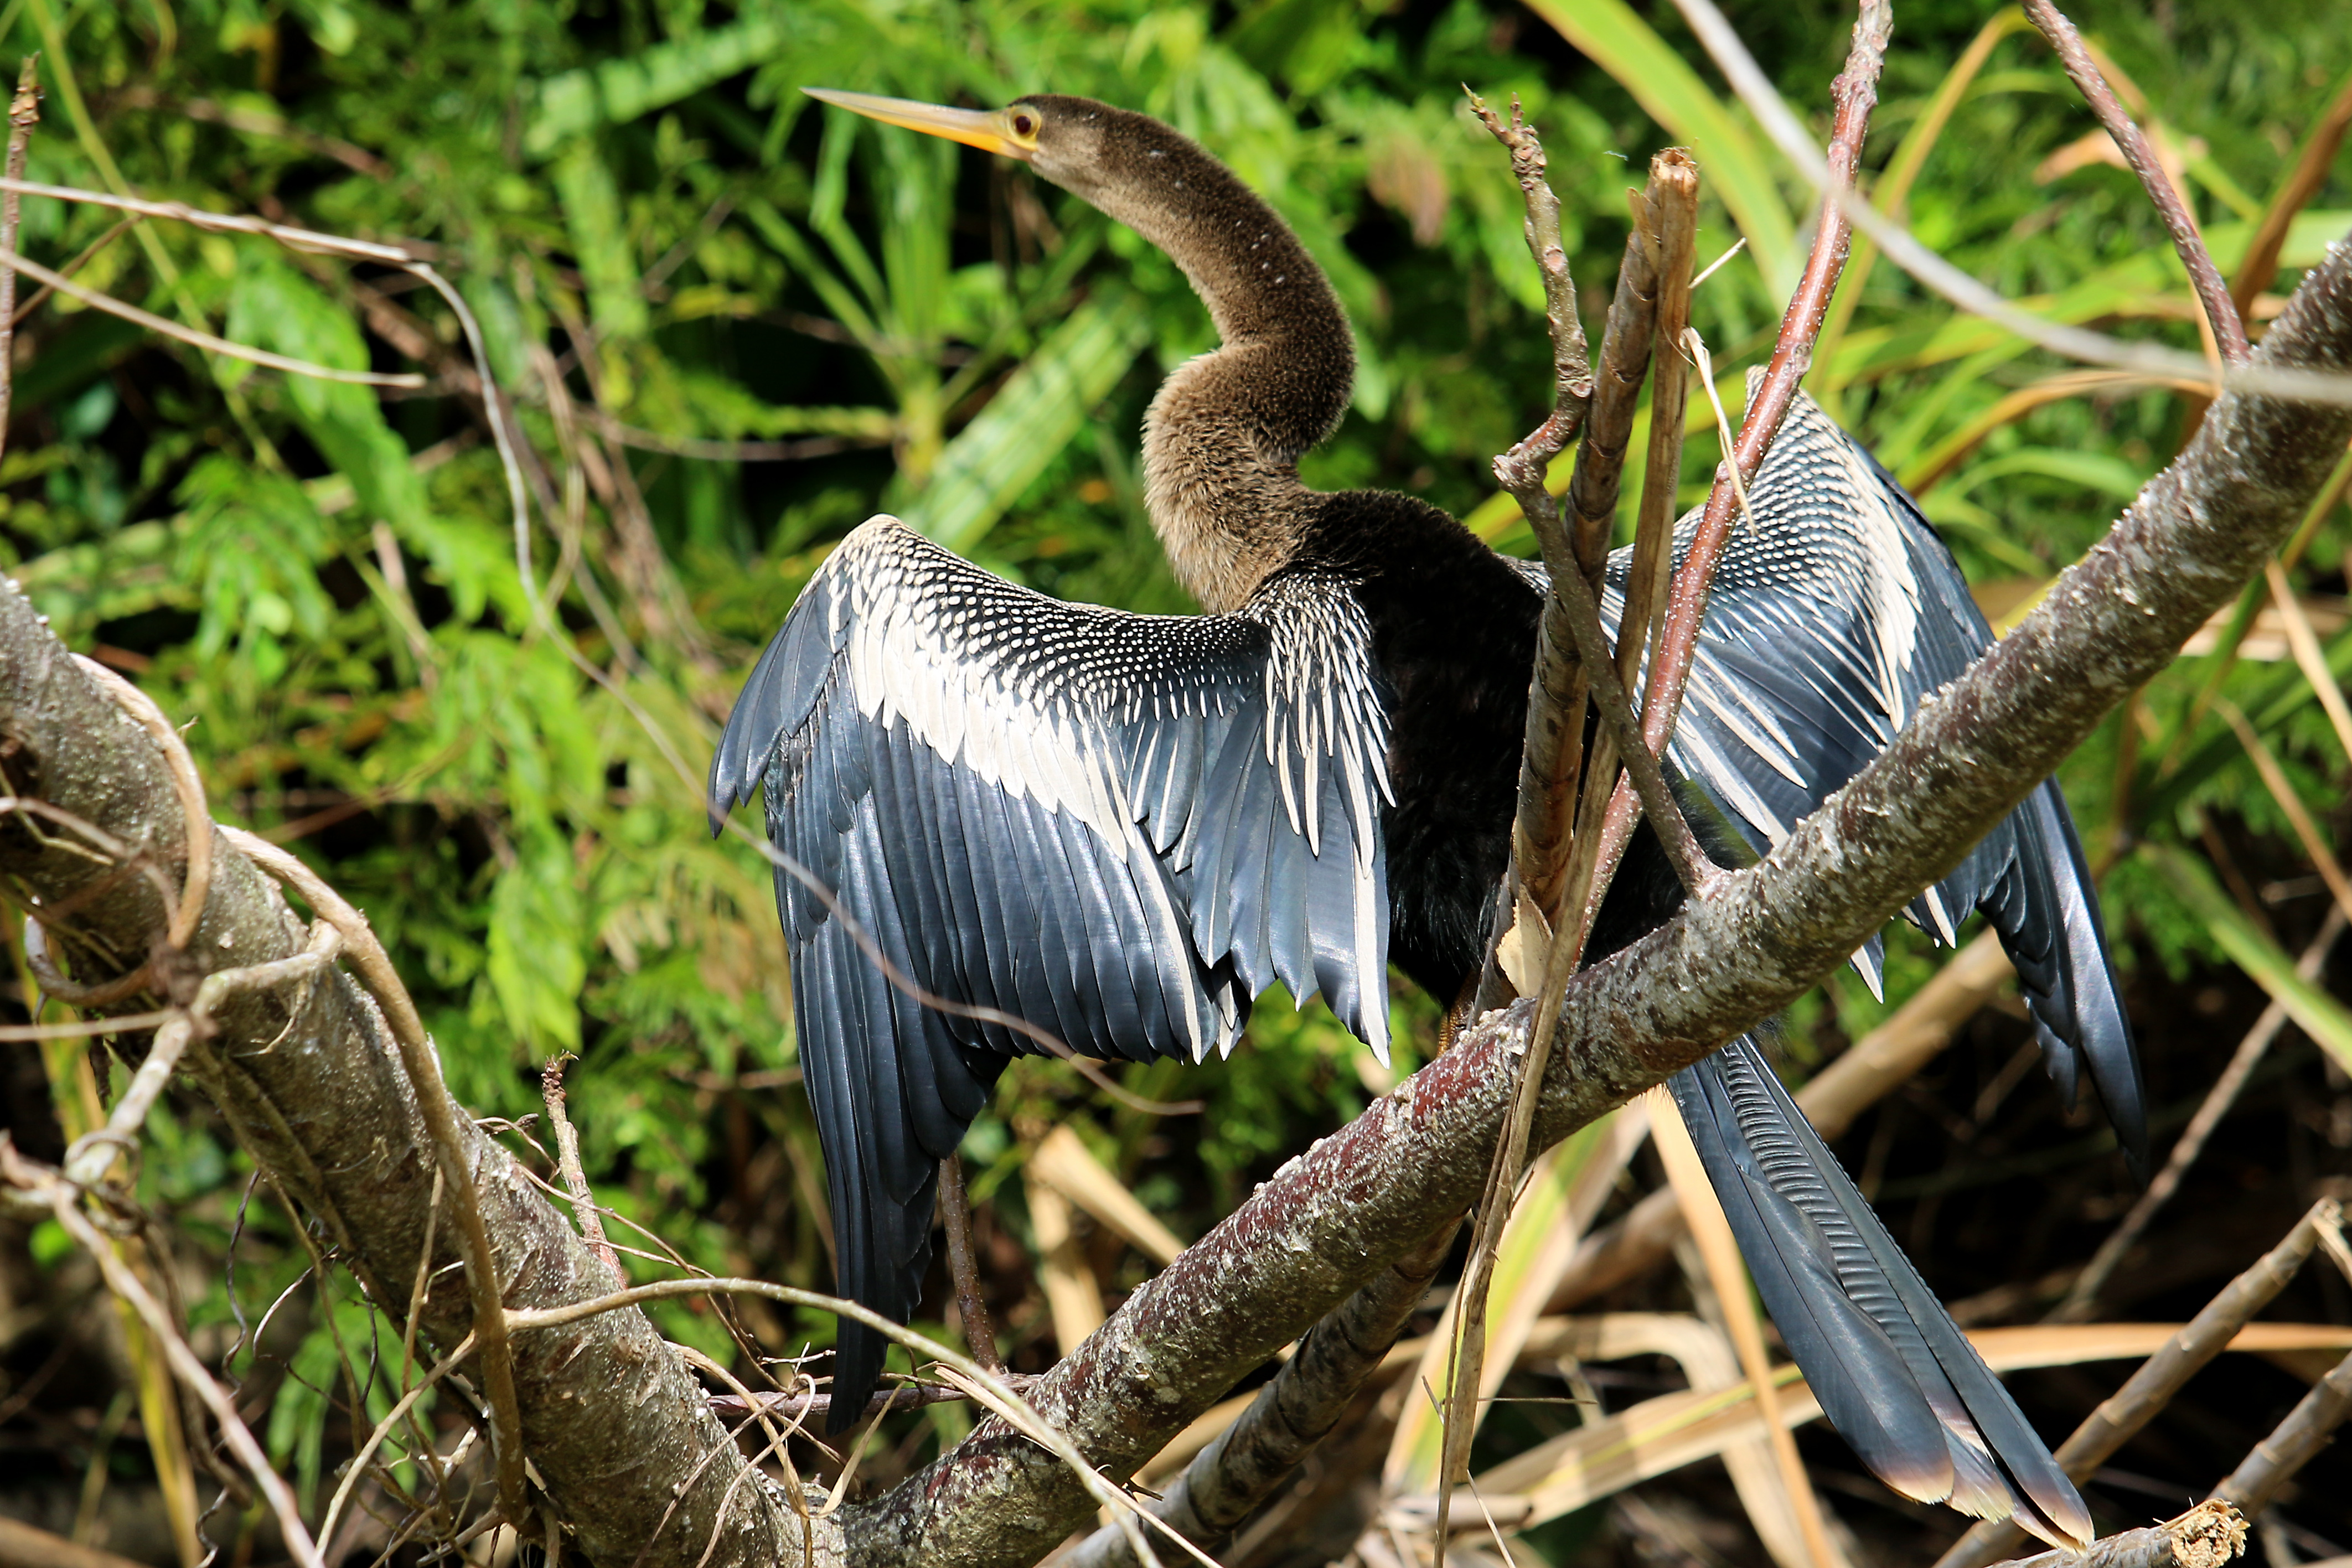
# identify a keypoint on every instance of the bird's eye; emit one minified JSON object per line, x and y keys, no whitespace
{"x":1024,"y":124}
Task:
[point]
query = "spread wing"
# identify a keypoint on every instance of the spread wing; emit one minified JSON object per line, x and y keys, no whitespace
{"x":1835,"y":612}
{"x":1118,"y":828}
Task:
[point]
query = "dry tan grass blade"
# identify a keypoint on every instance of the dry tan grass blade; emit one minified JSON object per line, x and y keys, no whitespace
{"x":1793,"y":1503}
{"x":1063,"y":1162}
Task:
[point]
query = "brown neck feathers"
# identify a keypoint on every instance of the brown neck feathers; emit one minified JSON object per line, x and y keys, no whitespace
{"x":1221,"y":443}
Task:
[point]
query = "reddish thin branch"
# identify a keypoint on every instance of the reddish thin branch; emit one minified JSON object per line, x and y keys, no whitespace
{"x":2311,"y":167}
{"x":2220,"y":311}
{"x":963,"y":1267}
{"x":1855,"y":94}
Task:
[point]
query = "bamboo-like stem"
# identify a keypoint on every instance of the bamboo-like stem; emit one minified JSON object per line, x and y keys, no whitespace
{"x":1855,"y":94}
{"x":2292,"y":1442}
{"x":2158,"y":1378}
{"x":1673,"y":227}
{"x":2207,"y":1536}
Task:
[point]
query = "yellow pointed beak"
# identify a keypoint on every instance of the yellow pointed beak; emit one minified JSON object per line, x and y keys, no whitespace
{"x":974,"y":128}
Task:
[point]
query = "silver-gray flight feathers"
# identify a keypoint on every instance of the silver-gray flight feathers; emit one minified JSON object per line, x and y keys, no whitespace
{"x":1122,"y":828}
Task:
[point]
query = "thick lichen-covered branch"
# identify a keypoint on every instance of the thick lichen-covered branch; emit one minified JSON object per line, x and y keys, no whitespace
{"x":309,"y":1081}
{"x":1348,"y":1208}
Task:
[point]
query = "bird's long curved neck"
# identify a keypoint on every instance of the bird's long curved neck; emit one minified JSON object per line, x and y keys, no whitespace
{"x":1221,"y":443}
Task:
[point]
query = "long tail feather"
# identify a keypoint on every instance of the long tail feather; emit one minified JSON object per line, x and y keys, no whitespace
{"x":1893,"y":1372}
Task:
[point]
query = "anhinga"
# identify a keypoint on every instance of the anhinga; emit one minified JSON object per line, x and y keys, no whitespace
{"x":1122,"y":828}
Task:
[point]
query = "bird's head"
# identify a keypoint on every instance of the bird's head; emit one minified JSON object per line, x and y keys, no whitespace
{"x":1082,"y":146}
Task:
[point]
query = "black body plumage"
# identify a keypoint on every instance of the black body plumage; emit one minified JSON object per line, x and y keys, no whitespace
{"x":1122,"y":828}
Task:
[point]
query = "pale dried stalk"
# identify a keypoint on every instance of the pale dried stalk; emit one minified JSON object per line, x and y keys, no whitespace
{"x":1674,"y":216}
{"x":2293,"y":1442}
{"x":125,"y":1283}
{"x":2298,"y":815}
{"x":1720,"y":1250}
{"x":2331,"y":388}
{"x":2151,"y":1387}
{"x":2309,"y":656}
{"x":220,"y":222}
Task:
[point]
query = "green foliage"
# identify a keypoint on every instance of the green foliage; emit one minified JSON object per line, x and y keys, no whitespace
{"x":668,"y":246}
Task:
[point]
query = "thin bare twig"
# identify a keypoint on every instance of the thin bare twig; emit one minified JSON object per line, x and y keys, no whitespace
{"x":2220,"y":311}
{"x":710,"y":451}
{"x":805,"y":1405}
{"x":221,"y":223}
{"x":987,"y":1387}
{"x":567,"y":1163}
{"x":24,"y":113}
{"x":964,"y":1266}
{"x":1553,"y":751}
{"x":87,"y":1161}
{"x":2158,"y":1378}
{"x":125,"y":1283}
{"x":87,"y":254}
{"x":1905,"y":250}
{"x":1854,"y":94}
{"x":206,"y":341}
{"x":373,"y":970}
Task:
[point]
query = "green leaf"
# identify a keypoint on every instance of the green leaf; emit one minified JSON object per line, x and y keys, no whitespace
{"x":622,"y":89}
{"x":591,"y":211}
{"x":273,"y":306}
{"x":538,"y":960}
{"x":2319,"y":1015}
{"x":1032,"y":418}
{"x":1735,"y":163}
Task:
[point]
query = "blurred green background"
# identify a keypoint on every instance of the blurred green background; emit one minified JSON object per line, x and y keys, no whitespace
{"x":735,"y":325}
